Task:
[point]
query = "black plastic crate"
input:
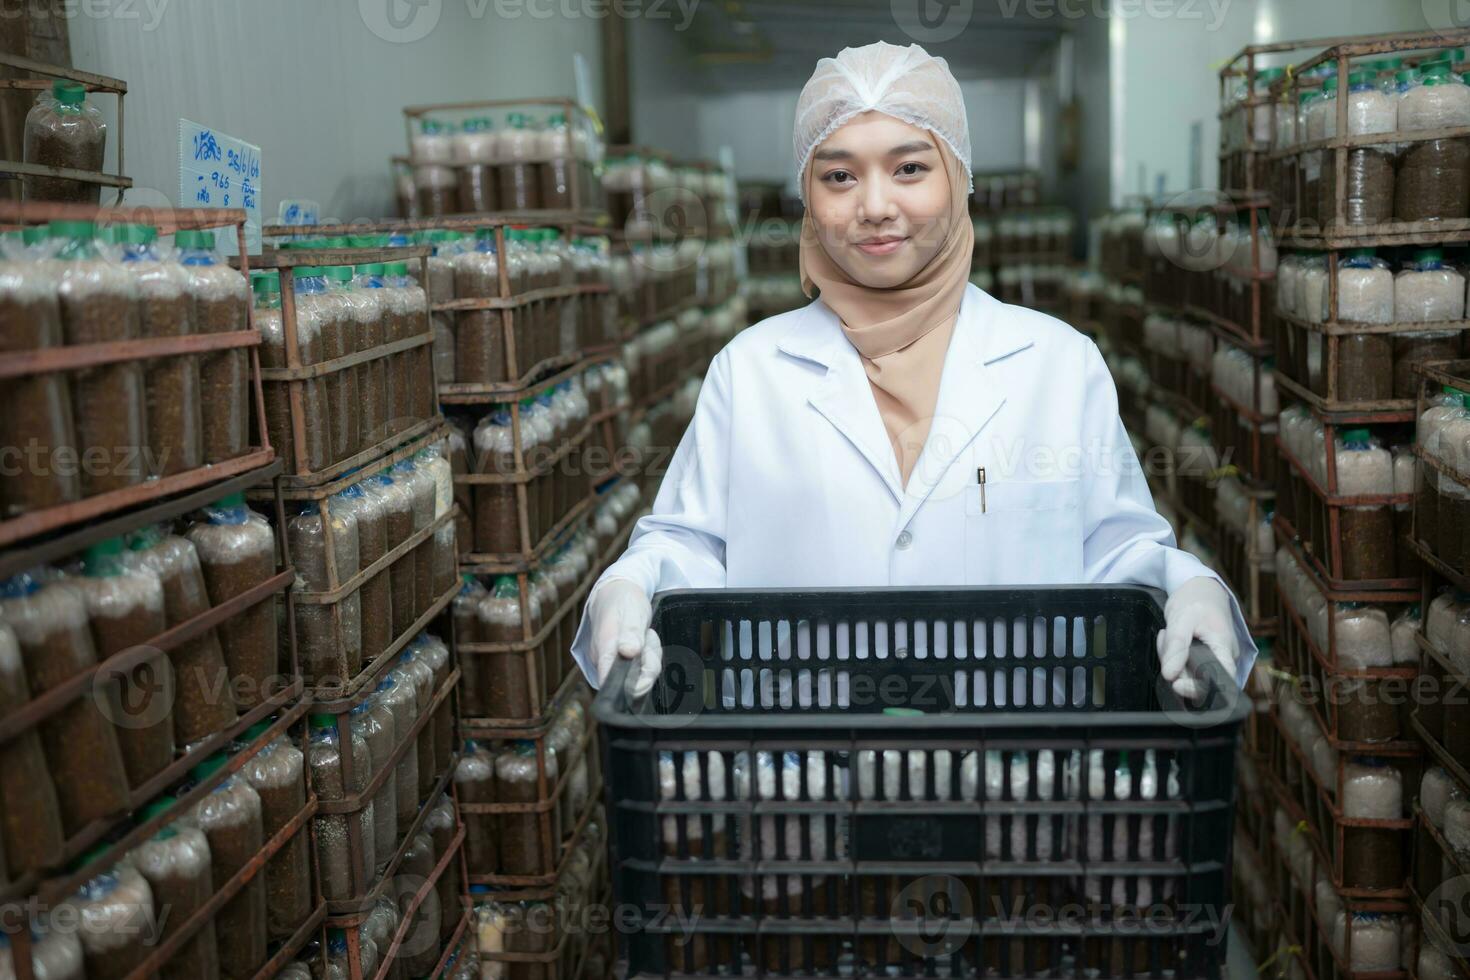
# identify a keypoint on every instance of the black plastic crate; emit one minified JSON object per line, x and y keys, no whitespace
{"x":971,"y":782}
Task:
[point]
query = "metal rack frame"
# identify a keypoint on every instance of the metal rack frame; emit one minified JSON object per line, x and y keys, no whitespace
{"x":12,"y":169}
{"x":78,"y":357}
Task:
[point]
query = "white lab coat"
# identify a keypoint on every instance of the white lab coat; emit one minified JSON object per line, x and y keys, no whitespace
{"x":786,"y":476}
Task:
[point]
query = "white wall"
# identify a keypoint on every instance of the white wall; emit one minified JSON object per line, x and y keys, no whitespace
{"x":317,"y":89}
{"x":1166,"y":78}
{"x":666,"y":86}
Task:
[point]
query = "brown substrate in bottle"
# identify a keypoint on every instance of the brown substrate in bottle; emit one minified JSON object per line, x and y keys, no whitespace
{"x":1433,"y":181}
{"x":1367,"y":542}
{"x":1364,"y":367}
{"x":30,"y":821}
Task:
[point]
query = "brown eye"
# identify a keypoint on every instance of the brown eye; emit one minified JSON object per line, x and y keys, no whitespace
{"x":911,"y":169}
{"x":838,"y":177}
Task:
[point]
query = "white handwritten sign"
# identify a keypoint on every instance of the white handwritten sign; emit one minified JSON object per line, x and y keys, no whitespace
{"x":220,"y":171}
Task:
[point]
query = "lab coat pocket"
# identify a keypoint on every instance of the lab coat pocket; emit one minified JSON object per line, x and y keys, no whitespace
{"x":1023,"y":533}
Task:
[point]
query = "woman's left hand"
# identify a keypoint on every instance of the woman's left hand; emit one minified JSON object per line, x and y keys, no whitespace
{"x":1197,"y":610}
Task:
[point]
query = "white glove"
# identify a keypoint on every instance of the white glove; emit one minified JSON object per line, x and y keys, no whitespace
{"x":619,"y":615}
{"x":1197,"y":610}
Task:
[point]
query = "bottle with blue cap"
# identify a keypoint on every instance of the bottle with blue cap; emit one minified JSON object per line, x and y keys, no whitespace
{"x":373,"y":720}
{"x":400,"y":701}
{"x":117,"y":905}
{"x":237,"y":552}
{"x":51,"y":624}
{"x":416,"y":673}
{"x":220,"y":299}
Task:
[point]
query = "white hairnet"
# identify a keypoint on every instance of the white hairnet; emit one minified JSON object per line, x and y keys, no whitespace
{"x":905,"y":83}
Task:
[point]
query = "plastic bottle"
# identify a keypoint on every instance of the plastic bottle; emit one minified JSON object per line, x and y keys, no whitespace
{"x":399,"y":698}
{"x":230,"y":816}
{"x":98,"y":304}
{"x":1427,"y":290}
{"x":118,"y":909}
{"x":221,"y":302}
{"x":476,"y":149}
{"x":373,"y":720}
{"x":176,"y":863}
{"x":344,"y":871}
{"x":64,"y":129}
{"x":1365,"y":468}
{"x":1432,"y":174}
{"x":520,"y":150}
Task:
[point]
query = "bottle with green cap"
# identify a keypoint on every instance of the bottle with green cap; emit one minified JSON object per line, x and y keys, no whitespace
{"x":231,"y":817}
{"x":99,"y":306}
{"x":1437,"y":99}
{"x":1364,"y":295}
{"x":126,"y":605}
{"x":176,"y":863}
{"x":1426,"y":291}
{"x":519,"y":186}
{"x":220,"y":299}
{"x":344,"y":871}
{"x":35,"y":411}
{"x":341,"y":337}
{"x":64,"y":129}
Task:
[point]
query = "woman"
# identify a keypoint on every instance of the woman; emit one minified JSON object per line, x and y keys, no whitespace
{"x":905,"y":428}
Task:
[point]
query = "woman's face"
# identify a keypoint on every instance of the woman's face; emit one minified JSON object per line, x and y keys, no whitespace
{"x":879,"y":199}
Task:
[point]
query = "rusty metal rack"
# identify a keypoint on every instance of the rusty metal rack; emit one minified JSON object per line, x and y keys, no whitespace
{"x":585,"y":196}
{"x":567,"y":957}
{"x":1314,"y":514}
{"x":54,"y":890}
{"x":550,"y":674}
{"x":352,"y":923}
{"x":1426,"y":540}
{"x":1333,"y":231}
{"x":407,"y":413}
{"x":418,"y":550}
{"x":19,"y":364}
{"x":284,"y":696}
{"x":13,"y":169}
{"x":511,"y":306}
{"x":1344,"y":844}
{"x":1359,"y":710}
{"x":555,"y":850}
{"x":368,"y":883}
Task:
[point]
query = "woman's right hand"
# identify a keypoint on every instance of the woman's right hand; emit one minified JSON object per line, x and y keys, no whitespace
{"x":619,"y":615}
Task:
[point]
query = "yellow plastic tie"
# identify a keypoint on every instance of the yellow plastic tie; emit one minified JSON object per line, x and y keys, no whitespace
{"x":1301,"y":828}
{"x":1285,"y":951}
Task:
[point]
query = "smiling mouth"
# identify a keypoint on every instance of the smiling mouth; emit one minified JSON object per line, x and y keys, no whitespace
{"x":882,"y":246}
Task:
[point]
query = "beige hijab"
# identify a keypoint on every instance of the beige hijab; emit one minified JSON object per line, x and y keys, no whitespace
{"x":902,"y":333}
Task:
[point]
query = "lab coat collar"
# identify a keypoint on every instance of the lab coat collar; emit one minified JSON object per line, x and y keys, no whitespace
{"x":969,"y":392}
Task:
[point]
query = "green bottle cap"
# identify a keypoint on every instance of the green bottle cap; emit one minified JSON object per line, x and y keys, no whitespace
{"x":255,"y":731}
{"x":1405,"y":76}
{"x":133,"y":234}
{"x":1304,"y":97}
{"x":1355,"y":435}
{"x":34,"y":234}
{"x":161,"y":805}
{"x":209,"y":766}
{"x":68,"y":93}
{"x":397,"y":268}
{"x":189,"y":238}
{"x":231,"y":501}
{"x":321,"y":720}
{"x":1361,"y":77}
{"x":1330,"y":85}
{"x":101,"y":559}
{"x":90,"y":855}
{"x":1429,"y":255}
{"x":517,"y":120}
{"x":1435,"y":73}
{"x":266,"y":281}
{"x":338,"y":273}
{"x":306,"y":272}
{"x":1270,"y":74}
{"x":72,"y":229}
{"x":370,"y":269}
{"x":1361,"y":253}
